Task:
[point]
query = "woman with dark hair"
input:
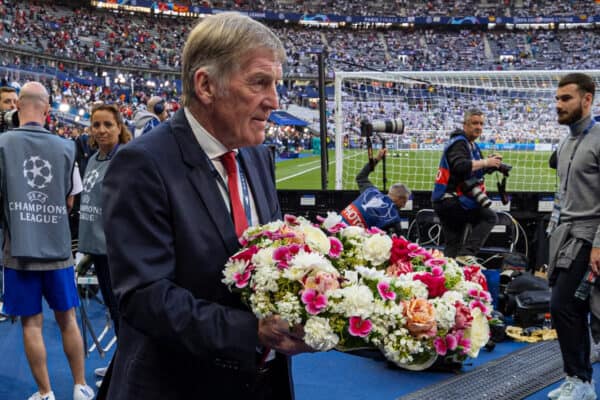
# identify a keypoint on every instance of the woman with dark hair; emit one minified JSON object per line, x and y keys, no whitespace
{"x":107,"y":133}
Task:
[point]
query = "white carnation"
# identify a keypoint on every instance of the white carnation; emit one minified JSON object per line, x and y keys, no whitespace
{"x":479,"y":332}
{"x":452,"y":296}
{"x":357,"y":300}
{"x":332,"y":220}
{"x":319,"y":335}
{"x":264,"y":257}
{"x":376,"y":249}
{"x":313,"y":262}
{"x":370,"y":273}
{"x":351,"y":276}
{"x":352,"y":232}
{"x":316,"y":238}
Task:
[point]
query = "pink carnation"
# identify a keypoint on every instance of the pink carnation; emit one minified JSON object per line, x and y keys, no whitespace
{"x":314,"y":301}
{"x":443,"y":345}
{"x":336,"y":247}
{"x":242,"y":279}
{"x":383,"y":288}
{"x":360,"y":327}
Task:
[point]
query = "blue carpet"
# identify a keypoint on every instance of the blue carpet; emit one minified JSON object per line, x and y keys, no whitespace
{"x":318,"y":376}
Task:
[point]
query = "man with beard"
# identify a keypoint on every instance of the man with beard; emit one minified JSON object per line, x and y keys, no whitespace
{"x":575,"y":243}
{"x":461,"y":169}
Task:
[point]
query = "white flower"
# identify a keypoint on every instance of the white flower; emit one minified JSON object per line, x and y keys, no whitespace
{"x":479,"y":332}
{"x":411,"y":288}
{"x":315,"y":238}
{"x":465,"y":286}
{"x":290,"y":309}
{"x":319,"y":335}
{"x":452,"y":296}
{"x":264,"y":257}
{"x":265,"y":279}
{"x":294,"y":273}
{"x":332,"y":220}
{"x":312,"y":262}
{"x":445,"y":313}
{"x":376,"y":249}
{"x":261,"y":304}
{"x":357,"y":300}
{"x":352,"y":232}
{"x":231,"y":268}
{"x":370,"y":273}
{"x":351,"y":276}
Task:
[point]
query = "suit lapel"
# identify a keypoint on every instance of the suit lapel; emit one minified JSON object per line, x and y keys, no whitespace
{"x":203,"y":178}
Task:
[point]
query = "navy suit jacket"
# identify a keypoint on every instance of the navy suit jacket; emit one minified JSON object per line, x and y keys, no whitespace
{"x":183,"y":334}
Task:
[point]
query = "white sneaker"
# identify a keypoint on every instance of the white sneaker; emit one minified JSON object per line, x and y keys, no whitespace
{"x":83,"y":392}
{"x":555,"y":394}
{"x":39,"y":396}
{"x":576,"y":389}
{"x":101,"y":372}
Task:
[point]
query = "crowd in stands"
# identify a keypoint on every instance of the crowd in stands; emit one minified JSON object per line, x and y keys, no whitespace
{"x":148,"y":42}
{"x":515,"y":8}
{"x":56,"y":37}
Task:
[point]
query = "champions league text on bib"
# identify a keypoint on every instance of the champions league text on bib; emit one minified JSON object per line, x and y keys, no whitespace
{"x":37,"y":168}
{"x":371,"y":208}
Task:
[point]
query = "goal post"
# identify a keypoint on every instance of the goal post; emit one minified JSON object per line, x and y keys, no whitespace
{"x":518,"y":106}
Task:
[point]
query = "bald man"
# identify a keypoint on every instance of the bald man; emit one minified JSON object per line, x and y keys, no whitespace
{"x":155,"y":113}
{"x":37,"y":249}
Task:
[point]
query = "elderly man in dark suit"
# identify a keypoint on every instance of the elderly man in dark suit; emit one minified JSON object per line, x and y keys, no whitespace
{"x":173,"y":215}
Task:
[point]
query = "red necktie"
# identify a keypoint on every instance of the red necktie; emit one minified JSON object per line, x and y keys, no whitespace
{"x":237,"y":210}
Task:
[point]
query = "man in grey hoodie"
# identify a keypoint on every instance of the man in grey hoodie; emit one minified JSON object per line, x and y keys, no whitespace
{"x":155,"y":113}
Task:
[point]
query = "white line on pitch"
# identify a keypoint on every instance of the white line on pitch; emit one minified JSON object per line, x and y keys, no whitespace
{"x":307,"y":170}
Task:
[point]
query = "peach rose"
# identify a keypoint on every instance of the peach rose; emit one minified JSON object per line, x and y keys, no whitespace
{"x":322,"y":282}
{"x":420,"y":318}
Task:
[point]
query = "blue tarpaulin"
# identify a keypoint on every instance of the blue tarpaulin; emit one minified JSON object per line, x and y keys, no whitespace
{"x":285,"y":118}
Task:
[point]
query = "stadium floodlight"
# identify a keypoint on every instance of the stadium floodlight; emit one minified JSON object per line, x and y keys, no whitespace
{"x":520,"y":121}
{"x":64,"y":107}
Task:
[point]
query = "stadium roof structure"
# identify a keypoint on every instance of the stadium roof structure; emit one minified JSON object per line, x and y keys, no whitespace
{"x":285,"y":118}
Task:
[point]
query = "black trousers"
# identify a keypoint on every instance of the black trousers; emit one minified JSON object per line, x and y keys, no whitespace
{"x":103,"y":274}
{"x":454,"y":219}
{"x":570,"y":316}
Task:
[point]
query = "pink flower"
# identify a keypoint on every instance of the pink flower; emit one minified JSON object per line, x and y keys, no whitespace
{"x":284,"y":254}
{"x":399,"y":268}
{"x":336,"y":247}
{"x":246,"y":254}
{"x":383,"y":288}
{"x":443,"y":345}
{"x":435,"y":262}
{"x":480,"y":295}
{"x":360,"y":327}
{"x":463,"y":343}
{"x":463,"y":317}
{"x":473,"y":274}
{"x":437,"y":271}
{"x":242,"y":279}
{"x":290,"y":219}
{"x":322,"y":282}
{"x":314,"y":301}
{"x":374,"y":230}
{"x":436,"y":284}
{"x":478,"y":304}
{"x":337,"y":227}
{"x":413,"y":247}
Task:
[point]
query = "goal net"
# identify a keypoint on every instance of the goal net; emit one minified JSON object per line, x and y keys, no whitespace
{"x":520,"y":123}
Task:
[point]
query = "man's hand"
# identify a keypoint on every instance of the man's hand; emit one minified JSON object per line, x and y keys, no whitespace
{"x":274,"y":333}
{"x":493,"y":161}
{"x":381,"y":154}
{"x":595,"y":260}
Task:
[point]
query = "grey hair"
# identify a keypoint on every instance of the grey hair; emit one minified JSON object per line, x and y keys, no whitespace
{"x":470,"y":112}
{"x":218,"y":43}
{"x":398,"y":190}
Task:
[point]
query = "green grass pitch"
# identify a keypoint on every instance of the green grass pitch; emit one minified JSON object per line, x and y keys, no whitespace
{"x":417,"y":169}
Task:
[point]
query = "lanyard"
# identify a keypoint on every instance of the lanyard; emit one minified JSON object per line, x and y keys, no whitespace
{"x":579,"y":139}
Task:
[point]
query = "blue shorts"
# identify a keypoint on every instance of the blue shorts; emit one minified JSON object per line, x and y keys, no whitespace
{"x":23,"y":291}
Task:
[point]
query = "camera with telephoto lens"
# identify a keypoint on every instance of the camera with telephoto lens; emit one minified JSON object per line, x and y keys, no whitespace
{"x":9,"y":120}
{"x":471,"y":187}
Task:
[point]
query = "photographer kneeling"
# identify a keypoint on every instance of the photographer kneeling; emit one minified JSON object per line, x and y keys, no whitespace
{"x":459,"y":193}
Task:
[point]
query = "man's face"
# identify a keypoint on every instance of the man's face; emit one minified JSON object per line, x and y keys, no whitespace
{"x":570,"y":104}
{"x":473,"y":127}
{"x":239,"y":115}
{"x":8,"y":101}
{"x":400,"y":202}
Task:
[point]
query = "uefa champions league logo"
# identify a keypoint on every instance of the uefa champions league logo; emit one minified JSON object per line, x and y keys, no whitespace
{"x":90,"y":180}
{"x":37,"y":172}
